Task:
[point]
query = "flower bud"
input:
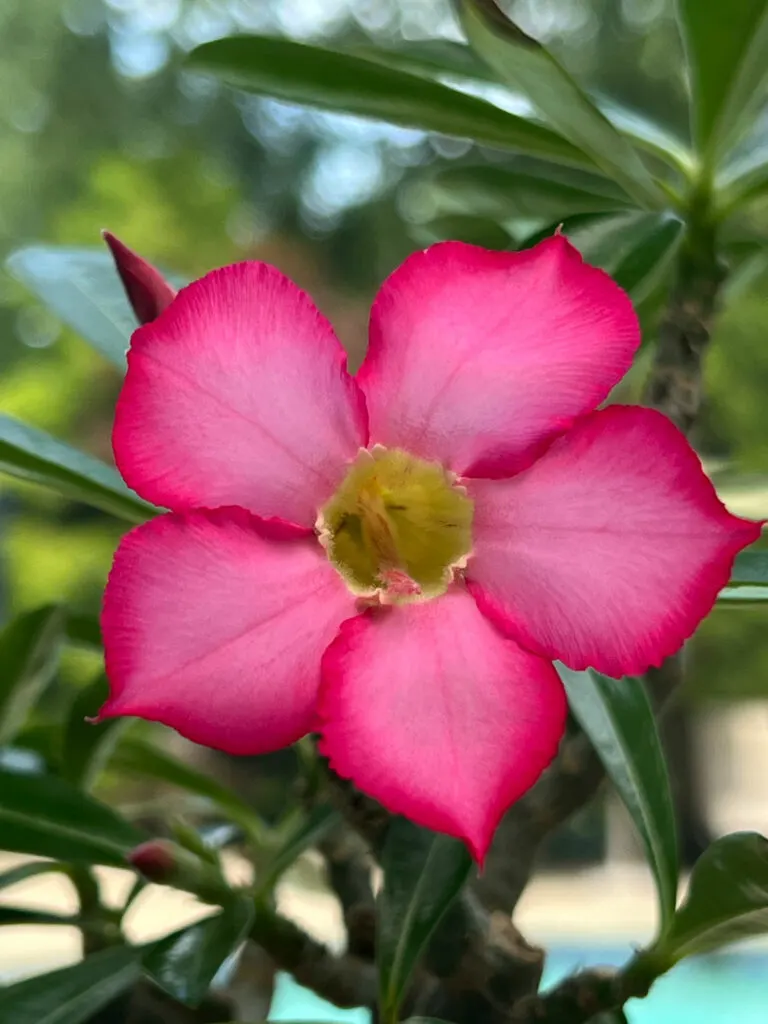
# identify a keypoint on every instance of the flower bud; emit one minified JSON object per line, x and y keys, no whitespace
{"x":147,"y":290}
{"x":166,"y":863}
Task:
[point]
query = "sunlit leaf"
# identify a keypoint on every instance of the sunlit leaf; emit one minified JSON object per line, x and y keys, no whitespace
{"x":46,"y":817}
{"x":422,"y":874}
{"x":72,"y":995}
{"x":727,"y":899}
{"x":30,"y":646}
{"x":617,"y":717}
{"x":526,"y":64}
{"x":340,"y":81}
{"x":30,"y":454}
{"x":727,"y":51}
{"x":184,"y":964}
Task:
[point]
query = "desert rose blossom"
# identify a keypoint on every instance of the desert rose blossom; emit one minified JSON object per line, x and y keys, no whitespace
{"x":394,"y":560}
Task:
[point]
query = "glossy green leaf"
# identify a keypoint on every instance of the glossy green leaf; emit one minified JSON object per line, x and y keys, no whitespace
{"x":301,"y":834}
{"x":137,"y":757}
{"x":636,"y":249}
{"x":29,"y":870}
{"x":422,"y":874}
{"x":334,"y":80}
{"x":82,"y":287}
{"x":727,"y":899}
{"x":525,"y":64}
{"x":46,"y":817}
{"x":30,"y":646}
{"x":495,"y":190}
{"x":87,"y":746}
{"x":456,"y":227}
{"x":617,"y":717}
{"x":185,"y":963}
{"x":727,"y":52}
{"x":72,"y":995}
{"x":429,"y":57}
{"x":30,"y":454}
{"x":750,"y":569}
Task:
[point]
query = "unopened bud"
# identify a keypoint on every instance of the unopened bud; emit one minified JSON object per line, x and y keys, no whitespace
{"x":166,"y":863}
{"x":155,"y":860}
{"x":147,"y":290}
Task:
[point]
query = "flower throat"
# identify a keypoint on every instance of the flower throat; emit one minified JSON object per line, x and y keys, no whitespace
{"x":398,"y":526}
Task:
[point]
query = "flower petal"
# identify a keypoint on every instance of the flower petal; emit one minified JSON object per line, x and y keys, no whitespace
{"x":238,"y":394}
{"x":610,"y":550}
{"x":478,"y":358}
{"x":430,"y":710}
{"x":215,"y":623}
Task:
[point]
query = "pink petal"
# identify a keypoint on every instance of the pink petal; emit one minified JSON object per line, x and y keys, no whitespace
{"x":215,"y":623}
{"x":239,"y":395}
{"x":147,"y":290}
{"x":610,"y":550}
{"x":479,"y":358}
{"x":427,"y":708}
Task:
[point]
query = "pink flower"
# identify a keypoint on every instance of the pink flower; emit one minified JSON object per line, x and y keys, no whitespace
{"x":404,"y":601}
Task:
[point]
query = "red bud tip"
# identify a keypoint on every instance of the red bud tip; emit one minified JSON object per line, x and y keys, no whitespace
{"x":147,"y":290}
{"x":155,"y":860}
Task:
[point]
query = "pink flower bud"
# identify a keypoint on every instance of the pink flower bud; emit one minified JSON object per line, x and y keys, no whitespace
{"x":147,"y":290}
{"x":155,"y":860}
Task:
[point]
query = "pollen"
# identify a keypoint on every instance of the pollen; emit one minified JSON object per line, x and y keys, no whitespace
{"x":398,"y":526}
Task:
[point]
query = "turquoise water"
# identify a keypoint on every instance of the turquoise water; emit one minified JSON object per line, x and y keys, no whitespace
{"x":722,"y":989}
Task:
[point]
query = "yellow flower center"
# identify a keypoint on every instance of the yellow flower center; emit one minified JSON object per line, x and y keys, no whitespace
{"x":398,"y":526}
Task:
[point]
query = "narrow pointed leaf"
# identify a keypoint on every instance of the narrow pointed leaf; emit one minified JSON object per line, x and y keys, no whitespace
{"x":727,"y":899}
{"x":137,"y":757}
{"x":30,"y":870}
{"x":25,"y":915}
{"x":30,"y":646}
{"x":429,"y":57}
{"x":86,"y":745}
{"x":727,"y":52}
{"x":32,"y":455}
{"x":525,"y":64}
{"x":422,"y":874}
{"x":494,"y":190}
{"x":185,"y":963}
{"x":340,"y":81}
{"x":300,"y":836}
{"x":72,"y":995}
{"x":617,"y":717}
{"x":46,"y":817}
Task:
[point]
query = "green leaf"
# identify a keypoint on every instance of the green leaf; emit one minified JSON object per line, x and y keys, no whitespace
{"x":525,"y":64}
{"x":750,"y":569}
{"x":292,"y":841}
{"x":82,"y":287}
{"x":422,"y":874}
{"x":483,"y":231}
{"x":428,"y":57}
{"x":185,"y":963}
{"x":727,"y":899}
{"x":30,"y":454}
{"x":30,"y":646}
{"x":334,"y":80}
{"x":494,"y":190}
{"x":74,"y":994}
{"x":636,"y":249}
{"x":617,"y":717}
{"x":87,"y":746}
{"x":727,"y":52}
{"x":31,"y":870}
{"x":137,"y":757}
{"x":46,"y":817}
{"x":84,"y":631}
{"x":24,"y":915}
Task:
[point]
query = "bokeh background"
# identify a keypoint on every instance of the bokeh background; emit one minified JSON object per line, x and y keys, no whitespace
{"x":101,"y":127}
